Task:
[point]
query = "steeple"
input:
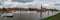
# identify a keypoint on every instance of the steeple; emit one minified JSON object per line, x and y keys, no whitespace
{"x":55,"y":8}
{"x":41,"y":6}
{"x":3,"y":8}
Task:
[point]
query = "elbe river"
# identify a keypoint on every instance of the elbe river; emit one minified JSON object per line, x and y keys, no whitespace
{"x":25,"y":15}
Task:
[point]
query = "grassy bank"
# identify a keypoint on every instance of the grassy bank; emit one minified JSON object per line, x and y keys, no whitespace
{"x":54,"y":17}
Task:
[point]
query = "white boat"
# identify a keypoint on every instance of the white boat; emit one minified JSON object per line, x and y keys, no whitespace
{"x":7,"y":15}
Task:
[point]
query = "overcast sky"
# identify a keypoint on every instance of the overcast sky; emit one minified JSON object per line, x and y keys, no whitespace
{"x":30,"y":3}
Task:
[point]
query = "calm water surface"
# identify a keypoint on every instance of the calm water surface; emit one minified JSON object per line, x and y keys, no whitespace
{"x":28,"y":16}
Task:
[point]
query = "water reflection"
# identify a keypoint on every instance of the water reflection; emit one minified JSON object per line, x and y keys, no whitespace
{"x":29,"y":16}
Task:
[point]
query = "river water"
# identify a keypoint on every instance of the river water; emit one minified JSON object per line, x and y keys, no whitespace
{"x":28,"y":15}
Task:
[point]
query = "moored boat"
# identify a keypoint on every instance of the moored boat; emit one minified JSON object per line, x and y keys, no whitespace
{"x":7,"y":15}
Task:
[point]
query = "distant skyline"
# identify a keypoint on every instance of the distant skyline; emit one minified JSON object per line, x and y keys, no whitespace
{"x":30,"y":3}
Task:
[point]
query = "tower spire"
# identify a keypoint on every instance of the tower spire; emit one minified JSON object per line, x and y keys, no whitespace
{"x":41,"y":5}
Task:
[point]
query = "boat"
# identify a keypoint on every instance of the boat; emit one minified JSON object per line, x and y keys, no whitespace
{"x":7,"y":15}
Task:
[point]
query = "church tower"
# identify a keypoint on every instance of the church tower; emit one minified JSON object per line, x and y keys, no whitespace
{"x":41,"y":6}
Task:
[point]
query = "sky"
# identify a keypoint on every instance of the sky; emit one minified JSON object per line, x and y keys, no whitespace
{"x":30,"y":3}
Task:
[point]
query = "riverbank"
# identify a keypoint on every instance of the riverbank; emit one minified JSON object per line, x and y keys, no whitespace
{"x":54,"y":17}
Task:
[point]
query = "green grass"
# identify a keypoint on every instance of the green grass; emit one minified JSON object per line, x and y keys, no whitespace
{"x":54,"y":17}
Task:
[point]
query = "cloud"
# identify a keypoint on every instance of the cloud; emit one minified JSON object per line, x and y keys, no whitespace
{"x":17,"y":3}
{"x":23,"y":1}
{"x":3,"y":0}
{"x":0,"y":4}
{"x":10,"y":3}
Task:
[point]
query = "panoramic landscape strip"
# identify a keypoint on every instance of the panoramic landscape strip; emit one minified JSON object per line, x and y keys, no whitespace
{"x":27,"y":9}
